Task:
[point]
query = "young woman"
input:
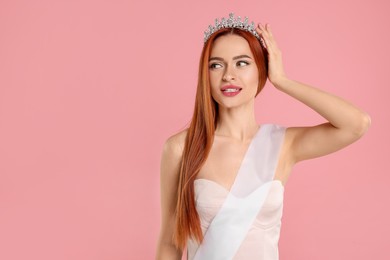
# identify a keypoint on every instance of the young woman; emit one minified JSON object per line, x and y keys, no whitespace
{"x":223,"y":178}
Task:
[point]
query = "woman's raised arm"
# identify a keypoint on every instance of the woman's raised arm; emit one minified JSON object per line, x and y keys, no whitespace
{"x":347,"y":123}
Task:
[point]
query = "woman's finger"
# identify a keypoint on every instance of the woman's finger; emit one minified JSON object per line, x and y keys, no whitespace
{"x":263,"y":29}
{"x":268,"y":29}
{"x":259,"y":31}
{"x":269,"y":32}
{"x":269,"y":45}
{"x":271,"y":37}
{"x":265,"y":36}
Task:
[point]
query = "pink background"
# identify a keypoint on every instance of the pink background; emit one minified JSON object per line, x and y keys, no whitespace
{"x":90,"y":90}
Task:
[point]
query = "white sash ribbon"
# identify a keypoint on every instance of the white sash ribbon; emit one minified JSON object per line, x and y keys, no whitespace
{"x":246,"y":197}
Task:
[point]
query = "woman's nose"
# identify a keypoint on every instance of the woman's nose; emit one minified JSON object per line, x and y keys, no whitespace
{"x":228,"y":75}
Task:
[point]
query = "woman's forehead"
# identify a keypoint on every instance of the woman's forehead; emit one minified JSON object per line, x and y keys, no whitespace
{"x":230,"y":46}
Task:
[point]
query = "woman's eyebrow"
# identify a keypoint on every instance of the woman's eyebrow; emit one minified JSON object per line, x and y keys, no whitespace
{"x":234,"y":58}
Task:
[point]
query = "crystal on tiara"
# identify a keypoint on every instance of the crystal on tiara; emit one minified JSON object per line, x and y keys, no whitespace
{"x":232,"y":23}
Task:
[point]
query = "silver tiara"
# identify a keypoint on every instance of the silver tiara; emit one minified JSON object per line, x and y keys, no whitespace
{"x":232,"y":23}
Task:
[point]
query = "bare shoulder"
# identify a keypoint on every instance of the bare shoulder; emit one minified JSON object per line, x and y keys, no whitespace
{"x":172,"y":154}
{"x":174,"y":144}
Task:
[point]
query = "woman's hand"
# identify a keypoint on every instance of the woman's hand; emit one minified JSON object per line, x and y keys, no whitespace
{"x":275,"y":65}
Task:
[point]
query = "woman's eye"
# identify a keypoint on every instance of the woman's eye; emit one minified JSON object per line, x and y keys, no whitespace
{"x":212,"y":65}
{"x":243,"y":62}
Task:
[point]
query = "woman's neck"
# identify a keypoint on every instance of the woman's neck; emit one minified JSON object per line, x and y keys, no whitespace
{"x":236,"y":123}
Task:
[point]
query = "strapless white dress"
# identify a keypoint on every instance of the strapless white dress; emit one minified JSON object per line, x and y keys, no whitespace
{"x":261,"y":242}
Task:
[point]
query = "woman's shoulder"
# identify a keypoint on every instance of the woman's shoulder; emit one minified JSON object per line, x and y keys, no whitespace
{"x":174,"y":144}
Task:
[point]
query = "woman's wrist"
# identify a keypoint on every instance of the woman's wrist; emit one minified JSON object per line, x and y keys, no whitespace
{"x":280,"y":82}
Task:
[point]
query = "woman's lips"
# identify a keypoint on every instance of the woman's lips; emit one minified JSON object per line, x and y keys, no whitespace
{"x":231,"y":92}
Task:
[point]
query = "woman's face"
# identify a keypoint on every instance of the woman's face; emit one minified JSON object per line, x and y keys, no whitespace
{"x":231,"y":63}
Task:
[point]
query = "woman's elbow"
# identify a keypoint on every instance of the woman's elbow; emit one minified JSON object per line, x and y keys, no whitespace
{"x":365,"y":123}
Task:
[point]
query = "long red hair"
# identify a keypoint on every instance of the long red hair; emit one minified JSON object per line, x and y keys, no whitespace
{"x":200,"y":137}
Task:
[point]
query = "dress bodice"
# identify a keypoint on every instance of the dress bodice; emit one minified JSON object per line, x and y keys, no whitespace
{"x":243,"y":223}
{"x":265,"y":230}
